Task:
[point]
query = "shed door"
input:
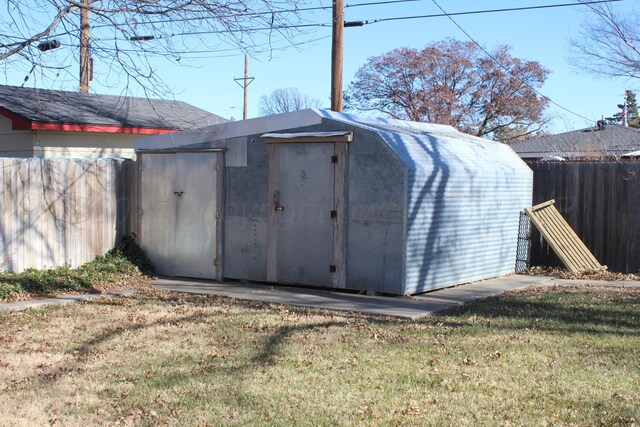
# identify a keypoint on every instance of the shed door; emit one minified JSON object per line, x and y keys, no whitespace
{"x":179,"y":225}
{"x":305,"y":227}
{"x":302,"y":227}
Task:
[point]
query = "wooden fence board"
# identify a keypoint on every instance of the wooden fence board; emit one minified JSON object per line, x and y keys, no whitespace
{"x":59,"y":211}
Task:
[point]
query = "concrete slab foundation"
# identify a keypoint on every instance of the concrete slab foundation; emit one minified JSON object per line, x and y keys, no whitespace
{"x":407,"y":308}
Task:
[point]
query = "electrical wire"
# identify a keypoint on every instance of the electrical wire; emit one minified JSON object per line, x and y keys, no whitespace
{"x":212,"y":51}
{"x":494,"y":59}
{"x":440,"y":15}
{"x":477,"y":12}
{"x":373,"y":21}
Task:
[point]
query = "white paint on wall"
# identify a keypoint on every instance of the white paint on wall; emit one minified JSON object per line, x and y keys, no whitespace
{"x":14,"y":143}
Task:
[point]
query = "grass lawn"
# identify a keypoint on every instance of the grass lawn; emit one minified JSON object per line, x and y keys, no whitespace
{"x":546,"y":356}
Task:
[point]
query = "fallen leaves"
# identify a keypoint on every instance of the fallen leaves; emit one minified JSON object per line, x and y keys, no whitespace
{"x":562,"y":273}
{"x":493,"y":356}
{"x":467,"y":361}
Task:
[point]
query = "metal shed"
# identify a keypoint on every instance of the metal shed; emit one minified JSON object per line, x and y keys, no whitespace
{"x":329,"y":199}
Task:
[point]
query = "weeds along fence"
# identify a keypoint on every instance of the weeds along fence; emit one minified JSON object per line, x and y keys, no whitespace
{"x":601,"y":202}
{"x":57,"y":212}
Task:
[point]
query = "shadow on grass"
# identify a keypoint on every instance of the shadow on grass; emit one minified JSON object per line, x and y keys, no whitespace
{"x":610,"y":312}
{"x":274,"y":342}
{"x":265,"y":356}
{"x":553,"y":311}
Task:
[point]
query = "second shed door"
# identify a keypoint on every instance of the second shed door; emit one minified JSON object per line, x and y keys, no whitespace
{"x":302,"y":203}
{"x":305,"y":226}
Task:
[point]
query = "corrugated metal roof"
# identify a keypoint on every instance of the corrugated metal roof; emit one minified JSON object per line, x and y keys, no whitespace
{"x":386,"y":127}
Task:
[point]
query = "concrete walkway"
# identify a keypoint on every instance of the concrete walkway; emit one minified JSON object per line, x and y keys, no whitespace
{"x":35,"y":303}
{"x":414,"y":308}
{"x":407,"y":308}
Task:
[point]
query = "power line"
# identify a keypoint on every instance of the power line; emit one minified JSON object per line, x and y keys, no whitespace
{"x":238,"y":15}
{"x":475,"y":12}
{"x":494,"y":59}
{"x":213,"y":51}
{"x":266,"y":13}
{"x":295,"y":26}
{"x":440,"y":15}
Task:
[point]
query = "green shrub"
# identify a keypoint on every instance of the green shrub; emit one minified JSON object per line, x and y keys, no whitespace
{"x":126,"y":259}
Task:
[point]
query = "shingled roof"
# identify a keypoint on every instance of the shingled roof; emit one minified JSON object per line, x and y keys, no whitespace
{"x":42,"y":109}
{"x":606,"y":140}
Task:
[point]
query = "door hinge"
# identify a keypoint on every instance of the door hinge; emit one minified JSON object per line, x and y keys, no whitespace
{"x":216,"y":262}
{"x":334,"y":214}
{"x":217,"y":214}
{"x":217,"y":166}
{"x":140,"y":212}
{"x":334,"y":159}
{"x":332,"y":269}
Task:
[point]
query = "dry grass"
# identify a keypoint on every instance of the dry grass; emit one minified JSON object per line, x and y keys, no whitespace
{"x":554,"y":356}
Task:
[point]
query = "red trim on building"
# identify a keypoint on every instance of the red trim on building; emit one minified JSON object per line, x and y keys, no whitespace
{"x":20,"y":123}
{"x":17,"y":122}
{"x":98,"y":128}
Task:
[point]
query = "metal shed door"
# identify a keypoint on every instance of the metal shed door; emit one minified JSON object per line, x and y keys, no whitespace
{"x":302,"y":206}
{"x":179,"y":199}
{"x":305,"y":243}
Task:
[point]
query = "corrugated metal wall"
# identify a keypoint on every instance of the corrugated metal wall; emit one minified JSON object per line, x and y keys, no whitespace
{"x":600,"y":201}
{"x":60,"y":211}
{"x":376,"y":216}
{"x":465,"y":201}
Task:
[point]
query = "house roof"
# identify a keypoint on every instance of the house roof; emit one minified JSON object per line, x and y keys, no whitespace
{"x":609,"y":140}
{"x":42,"y":109}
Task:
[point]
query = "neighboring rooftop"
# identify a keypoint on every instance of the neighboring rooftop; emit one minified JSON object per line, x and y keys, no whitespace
{"x":603,"y":140}
{"x":42,"y":109}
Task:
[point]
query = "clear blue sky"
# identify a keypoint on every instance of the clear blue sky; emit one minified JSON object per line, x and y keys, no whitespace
{"x":539,"y":35}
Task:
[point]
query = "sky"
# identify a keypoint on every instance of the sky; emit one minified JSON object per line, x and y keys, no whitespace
{"x":206,"y":80}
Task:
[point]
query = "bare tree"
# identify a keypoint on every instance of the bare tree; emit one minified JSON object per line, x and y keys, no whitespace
{"x":126,"y":36}
{"x":285,"y":100}
{"x":454,"y":83}
{"x":608,"y":43}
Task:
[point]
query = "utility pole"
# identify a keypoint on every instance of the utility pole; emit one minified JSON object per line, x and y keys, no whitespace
{"x":337,"y":46}
{"x":246,"y":81}
{"x":246,"y":92}
{"x":85,"y":61}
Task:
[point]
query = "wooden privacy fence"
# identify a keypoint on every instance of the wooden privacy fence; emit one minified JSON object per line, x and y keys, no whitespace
{"x":62,"y":211}
{"x":601,"y":202}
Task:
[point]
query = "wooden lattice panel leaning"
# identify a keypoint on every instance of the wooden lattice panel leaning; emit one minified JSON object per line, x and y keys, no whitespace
{"x":563,"y":240}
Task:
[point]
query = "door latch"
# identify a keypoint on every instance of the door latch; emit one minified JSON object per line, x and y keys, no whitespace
{"x":178,"y":193}
{"x":276,"y":201}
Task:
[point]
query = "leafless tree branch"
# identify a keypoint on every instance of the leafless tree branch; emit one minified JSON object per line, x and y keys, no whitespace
{"x":285,"y":100}
{"x":127,"y":35}
{"x":608,"y":43}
